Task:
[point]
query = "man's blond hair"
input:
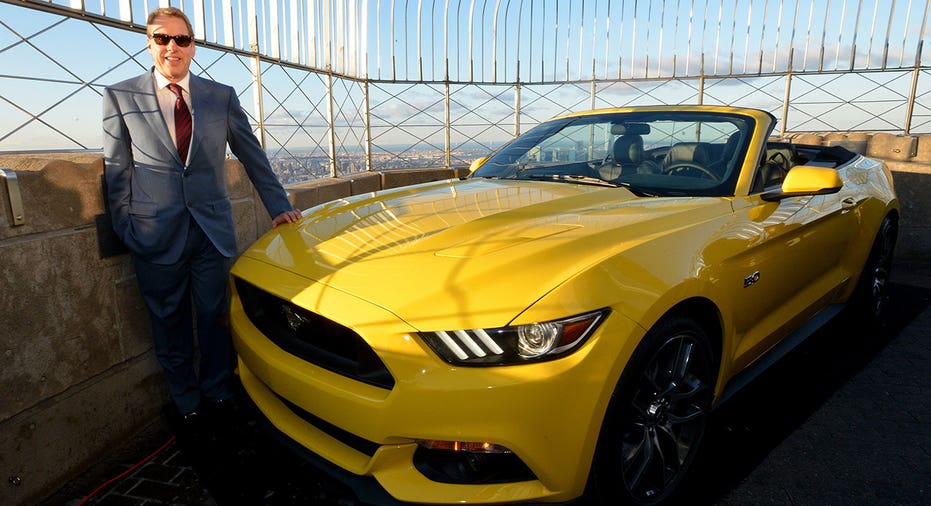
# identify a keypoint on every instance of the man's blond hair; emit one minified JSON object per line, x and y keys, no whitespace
{"x":171,"y":12}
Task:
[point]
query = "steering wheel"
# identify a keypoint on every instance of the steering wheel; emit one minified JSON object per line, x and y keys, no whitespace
{"x":685,"y":166}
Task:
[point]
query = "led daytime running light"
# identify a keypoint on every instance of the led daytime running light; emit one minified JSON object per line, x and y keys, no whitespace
{"x":515,"y":344}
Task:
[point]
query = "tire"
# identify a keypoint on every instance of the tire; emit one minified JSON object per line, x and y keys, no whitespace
{"x":872,"y":292}
{"x":657,"y":415}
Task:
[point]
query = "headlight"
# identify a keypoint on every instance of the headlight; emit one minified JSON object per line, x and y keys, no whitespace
{"x":515,"y":344}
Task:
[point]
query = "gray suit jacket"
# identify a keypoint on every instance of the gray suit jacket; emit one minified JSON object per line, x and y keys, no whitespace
{"x":152,"y":194}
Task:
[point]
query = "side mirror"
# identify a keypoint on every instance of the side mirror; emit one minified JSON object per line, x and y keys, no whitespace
{"x":807,"y":180}
{"x":476,"y":164}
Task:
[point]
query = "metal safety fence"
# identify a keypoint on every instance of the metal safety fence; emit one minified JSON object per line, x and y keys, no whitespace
{"x":340,"y":86}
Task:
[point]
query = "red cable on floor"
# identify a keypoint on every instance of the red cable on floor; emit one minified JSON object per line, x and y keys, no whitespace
{"x":124,"y":473}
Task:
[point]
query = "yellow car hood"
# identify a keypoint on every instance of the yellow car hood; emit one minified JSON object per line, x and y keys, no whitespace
{"x":476,"y":252}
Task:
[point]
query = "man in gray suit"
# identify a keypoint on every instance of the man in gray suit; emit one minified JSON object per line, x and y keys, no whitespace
{"x":165,"y":138}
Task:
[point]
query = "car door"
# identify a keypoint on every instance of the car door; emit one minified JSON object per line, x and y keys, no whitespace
{"x":787,"y":265}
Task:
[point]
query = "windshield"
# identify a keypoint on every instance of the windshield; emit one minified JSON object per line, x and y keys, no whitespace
{"x":652,"y":153}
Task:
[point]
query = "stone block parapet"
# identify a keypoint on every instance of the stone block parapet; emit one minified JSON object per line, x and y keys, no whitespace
{"x":886,"y":146}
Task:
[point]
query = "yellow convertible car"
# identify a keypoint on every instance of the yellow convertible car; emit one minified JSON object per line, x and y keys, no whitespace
{"x":560,"y":323}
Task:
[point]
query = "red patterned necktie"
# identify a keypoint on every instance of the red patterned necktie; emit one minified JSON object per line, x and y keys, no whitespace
{"x":182,"y":122}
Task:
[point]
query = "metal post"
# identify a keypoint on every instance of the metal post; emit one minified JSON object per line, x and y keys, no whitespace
{"x":788,"y":95}
{"x":368,"y":125}
{"x":910,"y":107}
{"x":331,"y":119}
{"x":447,"y":120}
{"x":448,"y":126}
{"x":701,"y":89}
{"x":516,"y":109}
{"x":591,"y":100}
{"x":701,"y":79}
{"x":257,"y":99}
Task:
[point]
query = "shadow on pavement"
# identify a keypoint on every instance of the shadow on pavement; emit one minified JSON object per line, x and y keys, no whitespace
{"x":743,"y":432}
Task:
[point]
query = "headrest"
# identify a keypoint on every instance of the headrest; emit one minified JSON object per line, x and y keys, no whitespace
{"x":696,"y":152}
{"x":630,"y":129}
{"x":628,"y":149}
{"x":730,"y":147}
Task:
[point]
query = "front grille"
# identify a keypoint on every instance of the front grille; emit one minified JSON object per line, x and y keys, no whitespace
{"x":312,"y":337}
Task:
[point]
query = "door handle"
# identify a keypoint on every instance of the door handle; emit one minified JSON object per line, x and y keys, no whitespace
{"x":848,"y":203}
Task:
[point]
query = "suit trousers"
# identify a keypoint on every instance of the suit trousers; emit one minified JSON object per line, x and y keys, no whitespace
{"x":194,"y":286}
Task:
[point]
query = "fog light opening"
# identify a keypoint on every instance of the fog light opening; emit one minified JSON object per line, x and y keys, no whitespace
{"x":463,"y":446}
{"x":466,"y":462}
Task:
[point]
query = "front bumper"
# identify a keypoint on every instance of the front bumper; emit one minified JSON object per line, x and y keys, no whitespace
{"x":548,"y":414}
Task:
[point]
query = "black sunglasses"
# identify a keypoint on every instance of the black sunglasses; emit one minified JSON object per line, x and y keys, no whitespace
{"x":162,"y":40}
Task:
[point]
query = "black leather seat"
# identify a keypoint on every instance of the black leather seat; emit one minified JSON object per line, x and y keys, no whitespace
{"x":697,"y":153}
{"x":627,"y":158}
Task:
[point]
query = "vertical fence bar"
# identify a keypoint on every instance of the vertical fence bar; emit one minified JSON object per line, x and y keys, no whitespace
{"x":788,"y":95}
{"x":840,"y":34}
{"x":910,"y":105}
{"x":252,"y":35}
{"x":591,"y":98}
{"x":311,"y":35}
{"x":717,"y":37}
{"x":419,"y":41}
{"x":331,"y":120}
{"x":227,"y":14}
{"x":447,"y":127}
{"x":274,"y":21}
{"x":294,"y":26}
{"x":778,"y":33}
{"x":888,"y":33}
{"x":368,"y":126}
{"x":257,"y":98}
{"x":200,"y":27}
{"x":730,"y":64}
{"x":646,"y":52}
{"x":824,"y":34}
{"x":340,"y":21}
{"x":446,"y":41}
{"x":355,"y":41}
{"x":701,"y":80}
{"x":471,"y":60}
{"x":811,"y":15}
{"x":126,"y":11}
{"x":908,"y":17}
{"x":516,"y":109}
{"x":747,"y":43}
{"x":494,"y":43}
{"x":325,"y":23}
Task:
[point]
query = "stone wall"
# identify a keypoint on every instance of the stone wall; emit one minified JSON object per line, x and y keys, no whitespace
{"x":77,"y":369}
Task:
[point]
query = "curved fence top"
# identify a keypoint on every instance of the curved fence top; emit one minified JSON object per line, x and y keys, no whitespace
{"x":545,"y":41}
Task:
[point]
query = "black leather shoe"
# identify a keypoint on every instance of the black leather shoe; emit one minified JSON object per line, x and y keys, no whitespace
{"x":190,"y":419}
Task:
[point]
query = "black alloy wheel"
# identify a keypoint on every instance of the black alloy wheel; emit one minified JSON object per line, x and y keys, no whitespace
{"x":657,"y":416}
{"x":872,"y":292}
